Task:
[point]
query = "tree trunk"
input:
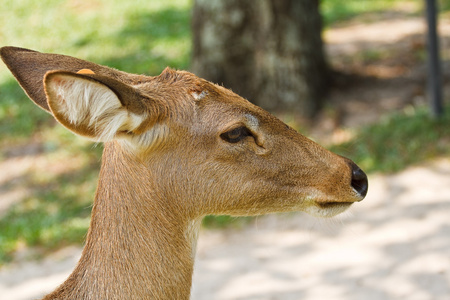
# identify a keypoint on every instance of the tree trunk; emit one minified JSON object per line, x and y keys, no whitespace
{"x":269,"y":51}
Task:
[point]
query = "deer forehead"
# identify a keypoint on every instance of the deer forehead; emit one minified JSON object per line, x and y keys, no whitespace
{"x":190,"y":98}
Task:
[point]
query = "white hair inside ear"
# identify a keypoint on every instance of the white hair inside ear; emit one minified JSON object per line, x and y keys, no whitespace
{"x":84,"y":103}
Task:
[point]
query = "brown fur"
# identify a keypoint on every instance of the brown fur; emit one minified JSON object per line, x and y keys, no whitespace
{"x":158,"y":179}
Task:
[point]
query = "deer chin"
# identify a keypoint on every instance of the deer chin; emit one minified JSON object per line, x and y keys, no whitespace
{"x":328,"y":209}
{"x":323,"y":206}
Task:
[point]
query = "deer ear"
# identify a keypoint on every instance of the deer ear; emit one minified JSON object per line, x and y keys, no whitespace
{"x":29,"y":68}
{"x":94,"y":106}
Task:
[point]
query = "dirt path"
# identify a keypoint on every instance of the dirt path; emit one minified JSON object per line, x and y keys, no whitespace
{"x":394,"y":245}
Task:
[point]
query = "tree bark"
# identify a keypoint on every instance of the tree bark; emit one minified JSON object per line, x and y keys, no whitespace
{"x":269,"y":51}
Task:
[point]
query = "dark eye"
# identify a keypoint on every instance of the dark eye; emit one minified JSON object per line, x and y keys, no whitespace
{"x":235,"y":135}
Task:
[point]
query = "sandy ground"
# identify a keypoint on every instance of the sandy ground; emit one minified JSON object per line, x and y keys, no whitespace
{"x":393,"y":245}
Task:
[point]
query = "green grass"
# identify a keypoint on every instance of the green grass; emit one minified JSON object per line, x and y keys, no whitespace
{"x":57,"y":210}
{"x":334,"y":11}
{"x":443,"y":5}
{"x":61,"y":187}
{"x":399,"y":140}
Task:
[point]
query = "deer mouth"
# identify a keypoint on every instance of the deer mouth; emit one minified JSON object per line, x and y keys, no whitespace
{"x":328,"y":205}
{"x":327,"y":209}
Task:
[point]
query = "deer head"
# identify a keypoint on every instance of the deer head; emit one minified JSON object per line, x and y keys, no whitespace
{"x":183,"y":146}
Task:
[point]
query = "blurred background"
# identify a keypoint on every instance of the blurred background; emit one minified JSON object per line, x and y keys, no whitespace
{"x":351,"y":75}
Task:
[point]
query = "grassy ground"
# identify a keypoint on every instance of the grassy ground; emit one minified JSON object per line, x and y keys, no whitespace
{"x":335,"y":11}
{"x":399,"y":140}
{"x":138,"y":37}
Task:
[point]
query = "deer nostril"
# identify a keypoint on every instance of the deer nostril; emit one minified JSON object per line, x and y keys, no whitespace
{"x":359,"y":180}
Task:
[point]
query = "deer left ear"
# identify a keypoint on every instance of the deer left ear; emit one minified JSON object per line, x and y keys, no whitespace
{"x":92,"y":108}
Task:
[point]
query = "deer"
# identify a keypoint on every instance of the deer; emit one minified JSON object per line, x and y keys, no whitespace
{"x":176,"y":148}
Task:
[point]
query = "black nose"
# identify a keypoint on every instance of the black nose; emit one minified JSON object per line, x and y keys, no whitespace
{"x":359,"y":180}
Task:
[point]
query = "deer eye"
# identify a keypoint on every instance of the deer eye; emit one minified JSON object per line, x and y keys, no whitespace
{"x":235,"y":135}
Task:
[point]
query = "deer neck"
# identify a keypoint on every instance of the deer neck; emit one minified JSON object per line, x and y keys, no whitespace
{"x":137,"y":246}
